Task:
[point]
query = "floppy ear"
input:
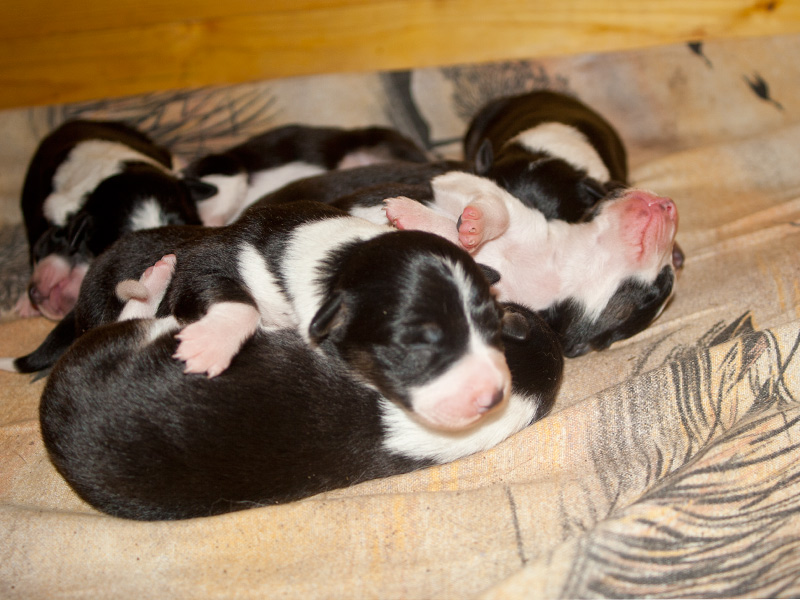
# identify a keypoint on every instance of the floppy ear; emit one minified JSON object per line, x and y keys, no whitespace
{"x":77,"y":230}
{"x":200,"y":190}
{"x":492,"y":275}
{"x":484,"y":159}
{"x":329,"y":316}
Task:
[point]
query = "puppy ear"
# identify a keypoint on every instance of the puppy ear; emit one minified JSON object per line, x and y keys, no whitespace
{"x":492,"y":275}
{"x":484,"y":159}
{"x":329,"y":316}
{"x":77,"y":230}
{"x":200,"y":190}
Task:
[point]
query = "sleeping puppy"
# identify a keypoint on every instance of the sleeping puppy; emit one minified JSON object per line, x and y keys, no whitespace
{"x":137,"y":438}
{"x":594,"y":282}
{"x":88,"y":183}
{"x":266,"y":162}
{"x":305,"y":266}
{"x":552,"y":152}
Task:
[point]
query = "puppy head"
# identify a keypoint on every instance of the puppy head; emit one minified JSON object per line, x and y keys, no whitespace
{"x":628,"y":273}
{"x":414,"y":317}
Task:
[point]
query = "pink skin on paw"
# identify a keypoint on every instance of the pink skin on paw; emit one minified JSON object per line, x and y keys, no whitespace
{"x":470,"y":227}
{"x":405,"y":213}
{"x":209,"y":345}
{"x":144,"y":296}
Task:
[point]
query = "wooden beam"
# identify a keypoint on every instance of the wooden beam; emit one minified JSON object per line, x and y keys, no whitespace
{"x":53,"y":51}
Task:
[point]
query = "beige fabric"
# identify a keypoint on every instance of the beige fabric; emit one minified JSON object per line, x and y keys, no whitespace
{"x":671,"y":463}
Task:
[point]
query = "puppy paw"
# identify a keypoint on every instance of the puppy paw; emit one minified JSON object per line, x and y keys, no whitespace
{"x":209,"y":345}
{"x":204,"y":350}
{"x":470,"y":227}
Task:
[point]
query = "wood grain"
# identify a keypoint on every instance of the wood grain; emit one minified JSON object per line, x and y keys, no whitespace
{"x":54,"y":52}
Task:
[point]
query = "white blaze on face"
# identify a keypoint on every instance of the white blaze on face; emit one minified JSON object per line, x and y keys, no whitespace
{"x":477,"y":382}
{"x":88,"y":164}
{"x":567,"y":143}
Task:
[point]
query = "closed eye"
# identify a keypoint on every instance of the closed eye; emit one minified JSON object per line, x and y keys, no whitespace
{"x":422,"y":334}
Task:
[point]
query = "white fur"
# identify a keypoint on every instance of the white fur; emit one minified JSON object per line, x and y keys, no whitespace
{"x":566,"y":143}
{"x":308,"y":246}
{"x":221,"y":208}
{"x":147,"y":215}
{"x":88,"y":164}
{"x":273,"y":306}
{"x":264,"y":182}
{"x":406,"y":436}
{"x":237,"y":192}
{"x":157,"y":327}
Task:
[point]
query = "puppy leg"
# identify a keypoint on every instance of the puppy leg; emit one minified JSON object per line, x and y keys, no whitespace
{"x":209,"y":345}
{"x":143,"y":297}
{"x":404,"y":213}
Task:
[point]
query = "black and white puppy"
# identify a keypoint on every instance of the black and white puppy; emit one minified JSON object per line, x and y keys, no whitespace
{"x":594,"y":282}
{"x":138,"y":438}
{"x":88,"y":183}
{"x":549,"y":150}
{"x":268,"y":161}
{"x":553,"y":152}
{"x":305,"y":266}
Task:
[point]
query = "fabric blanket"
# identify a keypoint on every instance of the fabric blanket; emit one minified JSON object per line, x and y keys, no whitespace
{"x":670,"y":465}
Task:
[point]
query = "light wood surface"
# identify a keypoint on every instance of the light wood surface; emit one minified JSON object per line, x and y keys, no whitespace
{"x":60,"y":51}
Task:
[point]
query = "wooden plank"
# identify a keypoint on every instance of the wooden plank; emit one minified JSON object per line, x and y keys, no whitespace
{"x":148,"y":48}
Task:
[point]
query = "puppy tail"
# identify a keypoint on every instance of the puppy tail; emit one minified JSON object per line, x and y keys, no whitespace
{"x":51,"y":349}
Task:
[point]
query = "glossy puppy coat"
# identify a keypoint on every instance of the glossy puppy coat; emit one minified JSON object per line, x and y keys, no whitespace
{"x":88,"y":183}
{"x":312,"y":268}
{"x":138,"y":438}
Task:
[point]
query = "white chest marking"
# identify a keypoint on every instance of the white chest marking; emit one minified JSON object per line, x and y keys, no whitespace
{"x":407,"y":437}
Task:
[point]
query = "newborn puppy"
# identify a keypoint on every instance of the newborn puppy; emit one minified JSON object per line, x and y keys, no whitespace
{"x":88,"y":183}
{"x":552,"y":152}
{"x":137,"y":438}
{"x":266,"y":162}
{"x":549,"y":150}
{"x":594,"y":282}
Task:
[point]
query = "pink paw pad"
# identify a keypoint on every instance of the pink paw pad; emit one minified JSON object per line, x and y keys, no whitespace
{"x":471,"y":227}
